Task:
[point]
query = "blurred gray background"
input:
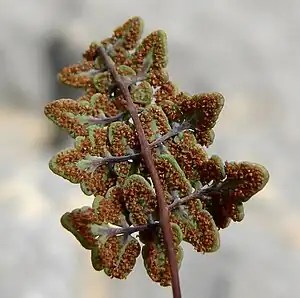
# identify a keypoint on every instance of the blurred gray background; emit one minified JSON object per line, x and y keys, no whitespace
{"x":248,"y":50}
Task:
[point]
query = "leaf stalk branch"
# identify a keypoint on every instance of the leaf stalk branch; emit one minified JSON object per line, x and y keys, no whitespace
{"x":149,"y":161}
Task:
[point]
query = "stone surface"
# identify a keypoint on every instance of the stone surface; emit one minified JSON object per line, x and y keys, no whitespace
{"x":248,"y":50}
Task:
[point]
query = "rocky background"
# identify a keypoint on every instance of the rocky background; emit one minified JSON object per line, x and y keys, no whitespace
{"x":248,"y":50}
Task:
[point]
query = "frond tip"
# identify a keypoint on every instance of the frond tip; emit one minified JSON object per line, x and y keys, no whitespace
{"x":139,"y":151}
